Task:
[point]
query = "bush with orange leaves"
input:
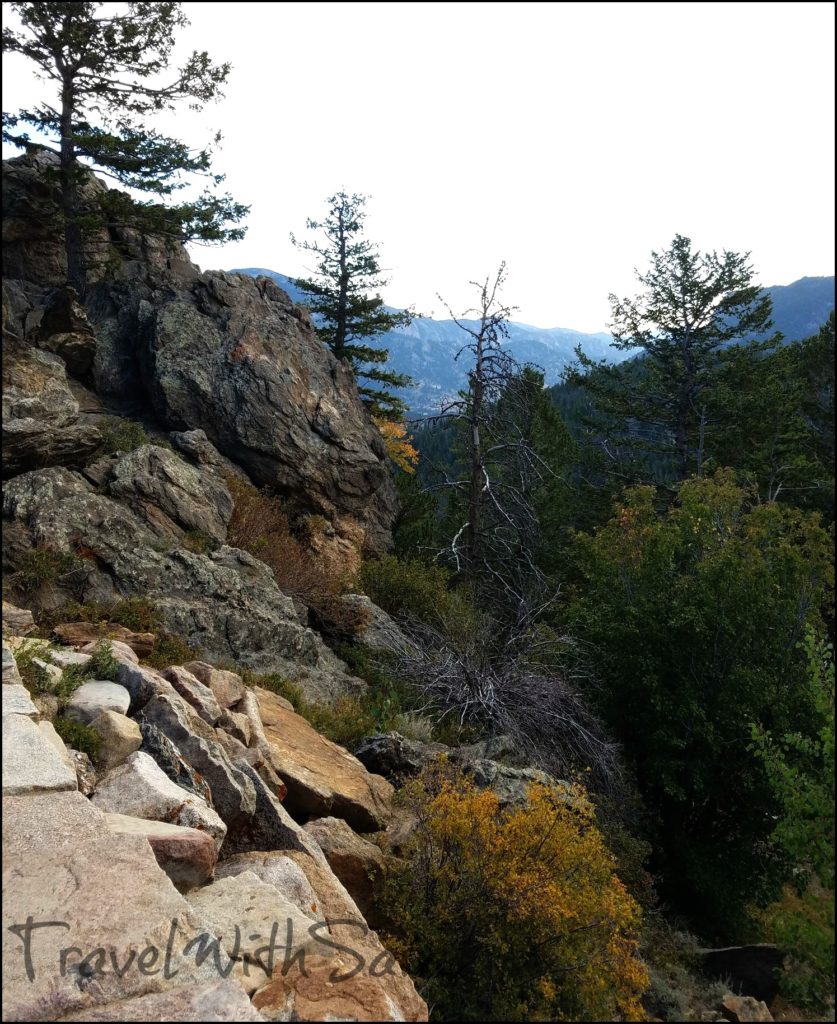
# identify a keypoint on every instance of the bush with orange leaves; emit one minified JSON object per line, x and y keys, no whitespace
{"x":398,"y":444}
{"x":512,"y":914}
{"x":261,"y":526}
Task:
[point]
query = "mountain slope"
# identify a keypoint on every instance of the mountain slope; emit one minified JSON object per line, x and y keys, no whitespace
{"x":426,"y":350}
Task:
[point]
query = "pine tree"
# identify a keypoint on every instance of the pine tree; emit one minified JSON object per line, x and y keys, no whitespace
{"x":693,"y":306}
{"x":105,"y":65}
{"x":347,"y":315}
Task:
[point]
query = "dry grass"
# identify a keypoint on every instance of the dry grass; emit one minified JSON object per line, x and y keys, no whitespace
{"x":260,"y":525}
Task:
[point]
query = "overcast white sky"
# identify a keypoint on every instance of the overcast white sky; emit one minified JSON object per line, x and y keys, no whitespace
{"x":569,"y":139}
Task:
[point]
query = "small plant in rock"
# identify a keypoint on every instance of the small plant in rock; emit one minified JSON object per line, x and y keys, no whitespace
{"x":199,"y":542}
{"x":78,"y":736}
{"x":121,"y":435}
{"x":35,"y":677}
{"x":102,"y":664}
{"x":43,"y":566}
{"x":71,"y":679}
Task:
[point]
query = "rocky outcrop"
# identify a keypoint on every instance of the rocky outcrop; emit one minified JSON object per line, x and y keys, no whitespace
{"x":225,"y":603}
{"x":225,"y":354}
{"x":170,"y":494}
{"x":107,"y":870}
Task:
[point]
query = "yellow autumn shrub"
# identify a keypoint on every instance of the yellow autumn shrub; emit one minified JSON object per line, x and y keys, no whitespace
{"x":398,"y":443}
{"x":513,"y":914}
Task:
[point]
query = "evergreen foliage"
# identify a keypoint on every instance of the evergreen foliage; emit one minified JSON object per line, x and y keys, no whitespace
{"x":692,"y":307}
{"x":106,"y":67}
{"x":692,"y":617}
{"x":347,"y":315}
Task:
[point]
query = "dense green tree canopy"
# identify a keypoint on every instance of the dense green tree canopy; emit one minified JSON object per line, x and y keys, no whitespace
{"x":692,"y":618}
{"x":692,"y":307}
{"x":108,"y":64}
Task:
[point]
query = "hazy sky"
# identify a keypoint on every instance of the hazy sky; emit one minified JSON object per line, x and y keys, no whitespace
{"x":568,"y":139}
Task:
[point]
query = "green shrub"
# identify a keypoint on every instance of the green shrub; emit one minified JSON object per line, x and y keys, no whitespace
{"x":413,"y":589}
{"x":691,"y":618}
{"x":199,"y":542}
{"x":121,"y":435}
{"x":78,"y":736}
{"x":71,"y":679}
{"x":43,"y":565}
{"x":102,"y":664}
{"x":169,"y":649}
{"x":35,"y":678}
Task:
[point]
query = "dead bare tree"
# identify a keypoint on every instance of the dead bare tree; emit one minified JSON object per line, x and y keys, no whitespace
{"x":493,"y":544}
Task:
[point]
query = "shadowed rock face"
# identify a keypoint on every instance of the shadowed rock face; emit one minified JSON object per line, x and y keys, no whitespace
{"x":223,"y":353}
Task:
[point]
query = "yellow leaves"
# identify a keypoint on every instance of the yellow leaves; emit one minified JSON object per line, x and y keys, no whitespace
{"x":398,"y":444}
{"x":533,"y":886}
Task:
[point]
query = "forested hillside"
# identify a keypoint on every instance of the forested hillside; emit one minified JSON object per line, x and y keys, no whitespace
{"x":318,"y":706}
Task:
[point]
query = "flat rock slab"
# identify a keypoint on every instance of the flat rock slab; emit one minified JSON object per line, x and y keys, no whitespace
{"x":64,"y":659}
{"x":222,"y":1001}
{"x":62,"y":863}
{"x":243,"y":912}
{"x":92,"y":698}
{"x":31,"y":764}
{"x":322,"y":778}
{"x":78,"y":634}
{"x":10,"y":672}
{"x":16,"y":701}
{"x":186,"y":855}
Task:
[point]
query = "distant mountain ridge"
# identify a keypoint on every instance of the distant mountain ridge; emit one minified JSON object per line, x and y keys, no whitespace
{"x":426,"y":349}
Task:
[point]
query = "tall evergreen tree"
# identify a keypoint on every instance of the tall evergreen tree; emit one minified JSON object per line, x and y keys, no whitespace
{"x":106,"y":66}
{"x":693,"y":306}
{"x":348,"y":316}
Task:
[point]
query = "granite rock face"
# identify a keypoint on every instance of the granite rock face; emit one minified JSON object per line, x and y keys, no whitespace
{"x":225,"y":354}
{"x":225,"y":603}
{"x":41,"y":424}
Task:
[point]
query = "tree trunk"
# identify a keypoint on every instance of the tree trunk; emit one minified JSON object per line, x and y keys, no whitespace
{"x":73,"y":238}
{"x":343,"y":294}
{"x":472,"y":535}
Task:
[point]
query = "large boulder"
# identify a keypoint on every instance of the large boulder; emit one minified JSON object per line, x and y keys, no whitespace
{"x":322,"y":778}
{"x":102,"y":891}
{"x":397,"y":757}
{"x":141,"y":788}
{"x":41,"y":425}
{"x":171,"y":495}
